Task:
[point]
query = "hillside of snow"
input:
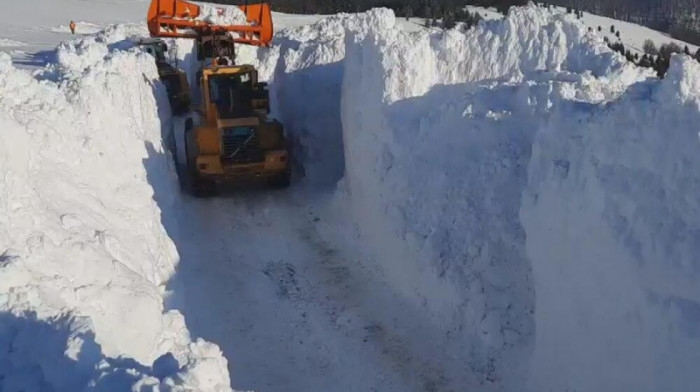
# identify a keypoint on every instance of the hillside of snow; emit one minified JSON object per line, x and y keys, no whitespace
{"x":631,"y":35}
{"x":508,"y":208}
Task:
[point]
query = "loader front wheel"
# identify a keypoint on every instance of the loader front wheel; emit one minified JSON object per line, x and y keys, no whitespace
{"x":196,"y":184}
{"x":282,"y":180}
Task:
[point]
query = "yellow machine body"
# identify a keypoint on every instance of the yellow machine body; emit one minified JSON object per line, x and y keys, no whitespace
{"x":236,"y":143}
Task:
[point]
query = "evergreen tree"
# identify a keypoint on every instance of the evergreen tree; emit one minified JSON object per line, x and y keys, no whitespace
{"x":650,"y":48}
{"x":667,"y":50}
{"x":448,"y":21}
{"x":645,"y":62}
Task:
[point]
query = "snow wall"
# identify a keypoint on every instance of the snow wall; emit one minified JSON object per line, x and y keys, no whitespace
{"x":556,"y":190}
{"x":84,"y":256}
{"x":520,"y":182}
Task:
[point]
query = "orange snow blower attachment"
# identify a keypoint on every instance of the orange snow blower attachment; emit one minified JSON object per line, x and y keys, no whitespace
{"x":177,"y":19}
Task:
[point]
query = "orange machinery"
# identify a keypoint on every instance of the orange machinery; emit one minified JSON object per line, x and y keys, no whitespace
{"x":177,"y":19}
{"x":233,"y":139}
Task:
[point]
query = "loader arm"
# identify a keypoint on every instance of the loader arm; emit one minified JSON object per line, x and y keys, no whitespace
{"x":177,"y":19}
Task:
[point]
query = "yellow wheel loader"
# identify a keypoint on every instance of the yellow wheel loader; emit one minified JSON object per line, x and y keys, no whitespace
{"x":234,"y":140}
{"x":231,"y":139}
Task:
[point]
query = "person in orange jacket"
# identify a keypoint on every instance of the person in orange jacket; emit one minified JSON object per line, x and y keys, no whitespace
{"x":72,"y":27}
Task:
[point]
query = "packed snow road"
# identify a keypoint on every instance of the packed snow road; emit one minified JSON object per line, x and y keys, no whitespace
{"x":289,"y":310}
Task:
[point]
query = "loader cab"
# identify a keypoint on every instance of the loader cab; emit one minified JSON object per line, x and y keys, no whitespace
{"x":216,"y":45}
{"x":234,"y":92}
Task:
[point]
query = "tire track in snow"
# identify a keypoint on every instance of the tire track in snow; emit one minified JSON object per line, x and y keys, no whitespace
{"x":290,"y":311}
{"x":352,"y":287}
{"x":246,"y":281}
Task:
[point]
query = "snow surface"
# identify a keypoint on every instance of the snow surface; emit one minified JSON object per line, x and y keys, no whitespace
{"x":221,"y":15}
{"x":611,"y":216}
{"x":84,"y":255}
{"x":632,"y":35}
{"x":468,"y":177}
{"x":507,"y":208}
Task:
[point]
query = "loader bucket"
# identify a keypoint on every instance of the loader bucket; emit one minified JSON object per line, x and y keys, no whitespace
{"x":260,"y":15}
{"x":176,"y":18}
{"x":169,"y":9}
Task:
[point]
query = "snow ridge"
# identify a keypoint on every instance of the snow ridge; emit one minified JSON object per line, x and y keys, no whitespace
{"x":84,"y":264}
{"x":451,"y":141}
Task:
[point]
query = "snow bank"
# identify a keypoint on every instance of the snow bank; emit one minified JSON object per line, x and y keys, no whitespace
{"x":8,"y":43}
{"x":612,"y":215}
{"x":221,"y":15}
{"x":510,"y":181}
{"x":83,"y":254}
{"x":437,"y":133}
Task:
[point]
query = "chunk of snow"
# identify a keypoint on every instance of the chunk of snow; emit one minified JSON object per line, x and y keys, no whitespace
{"x":222,"y":15}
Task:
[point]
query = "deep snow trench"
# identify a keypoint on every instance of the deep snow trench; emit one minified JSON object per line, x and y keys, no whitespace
{"x":509,"y":208}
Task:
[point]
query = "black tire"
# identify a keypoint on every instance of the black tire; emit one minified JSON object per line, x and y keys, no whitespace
{"x":180,"y":106}
{"x":202,"y":188}
{"x":282,"y":180}
{"x":194,"y":183}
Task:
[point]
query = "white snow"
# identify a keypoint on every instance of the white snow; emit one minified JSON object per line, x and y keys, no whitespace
{"x":436,"y":174}
{"x":631,"y":35}
{"x":84,"y":254}
{"x":221,"y":15}
{"x":512,"y":207}
{"x":4,"y":42}
{"x":611,"y":216}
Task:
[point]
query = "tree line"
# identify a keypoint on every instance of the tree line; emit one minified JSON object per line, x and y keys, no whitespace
{"x":429,"y":9}
{"x":657,"y":58}
{"x":679,"y":18}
